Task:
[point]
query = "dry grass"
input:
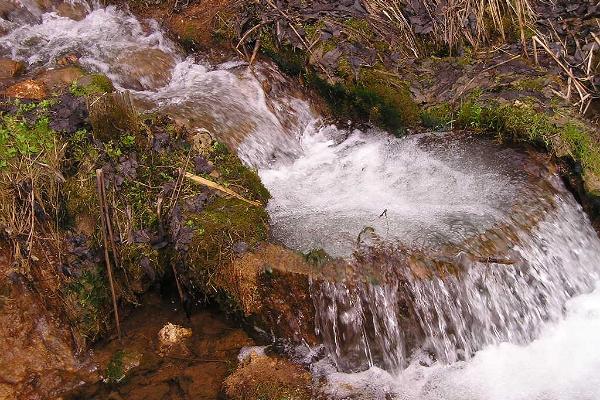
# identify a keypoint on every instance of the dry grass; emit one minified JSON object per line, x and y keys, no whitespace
{"x":452,"y":22}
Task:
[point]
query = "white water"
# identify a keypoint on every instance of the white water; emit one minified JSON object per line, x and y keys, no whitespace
{"x":328,"y":184}
{"x":562,"y":364}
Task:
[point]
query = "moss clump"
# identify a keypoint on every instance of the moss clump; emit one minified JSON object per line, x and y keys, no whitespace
{"x":115,"y":370}
{"x":522,"y":122}
{"x":91,"y":84}
{"x":217,"y":229}
{"x":438,"y":117}
{"x":530,"y":84}
{"x":233,"y":173}
{"x":383,"y":101}
{"x":112,"y":115}
{"x":290,"y":60}
{"x":317,"y":257}
{"x":142,"y":263}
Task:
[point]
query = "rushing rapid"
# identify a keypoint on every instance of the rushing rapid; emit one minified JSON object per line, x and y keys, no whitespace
{"x":485,"y":264}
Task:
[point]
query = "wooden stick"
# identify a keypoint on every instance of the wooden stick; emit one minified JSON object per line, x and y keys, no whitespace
{"x":102,"y":201}
{"x":213,"y":185}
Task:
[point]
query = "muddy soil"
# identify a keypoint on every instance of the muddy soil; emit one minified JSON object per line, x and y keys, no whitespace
{"x":133,"y":369}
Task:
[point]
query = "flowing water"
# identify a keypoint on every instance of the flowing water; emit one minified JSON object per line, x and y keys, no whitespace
{"x":475,"y":267}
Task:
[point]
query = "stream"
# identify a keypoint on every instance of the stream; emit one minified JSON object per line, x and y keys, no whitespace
{"x":520,"y":319}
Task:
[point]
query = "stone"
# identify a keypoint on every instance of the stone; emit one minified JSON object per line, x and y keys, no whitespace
{"x":27,"y":89}
{"x":271,"y":287}
{"x":10,"y":68}
{"x":173,"y":340}
{"x":60,"y":78}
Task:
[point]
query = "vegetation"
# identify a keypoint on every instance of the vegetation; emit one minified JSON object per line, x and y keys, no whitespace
{"x":521,"y":122}
{"x":115,"y":371}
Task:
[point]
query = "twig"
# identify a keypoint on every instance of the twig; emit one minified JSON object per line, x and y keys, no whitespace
{"x":213,"y":185}
{"x":255,"y":51}
{"x":103,"y":215}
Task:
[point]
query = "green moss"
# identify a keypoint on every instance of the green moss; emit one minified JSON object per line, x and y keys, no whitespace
{"x":515,"y":123}
{"x":383,"y":101}
{"x":91,"y":84}
{"x":530,"y":84}
{"x":317,"y":257}
{"x":438,"y":117}
{"x":221,"y":225}
{"x":115,"y":370}
{"x":233,"y":173}
{"x":132,"y":256}
{"x":290,"y":60}
{"x":522,"y":122}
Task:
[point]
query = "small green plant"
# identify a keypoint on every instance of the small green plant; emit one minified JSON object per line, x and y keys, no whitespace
{"x":25,"y":137}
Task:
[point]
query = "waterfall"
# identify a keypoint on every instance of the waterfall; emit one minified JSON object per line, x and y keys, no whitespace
{"x":468,"y":258}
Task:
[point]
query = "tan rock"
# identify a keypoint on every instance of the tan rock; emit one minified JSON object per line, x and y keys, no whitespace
{"x":60,"y":78}
{"x":28,"y":89}
{"x":10,"y":68}
{"x":173,"y":340}
{"x":38,"y":358}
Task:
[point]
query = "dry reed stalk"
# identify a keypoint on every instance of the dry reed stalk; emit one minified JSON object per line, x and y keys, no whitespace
{"x":105,"y":238}
{"x":216,"y":186}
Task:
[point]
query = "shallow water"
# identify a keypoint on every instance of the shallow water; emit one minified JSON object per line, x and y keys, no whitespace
{"x":499,"y":331}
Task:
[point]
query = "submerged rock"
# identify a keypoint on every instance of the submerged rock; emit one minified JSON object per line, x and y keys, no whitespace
{"x":172,"y":340}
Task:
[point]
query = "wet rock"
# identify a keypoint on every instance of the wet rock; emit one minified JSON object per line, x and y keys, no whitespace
{"x":59,"y":79}
{"x":271,"y":286}
{"x":145,"y":69}
{"x":268,"y":378}
{"x":75,"y":11}
{"x":174,"y":340}
{"x":10,"y":68}
{"x":37,"y":354}
{"x":27,"y":89}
